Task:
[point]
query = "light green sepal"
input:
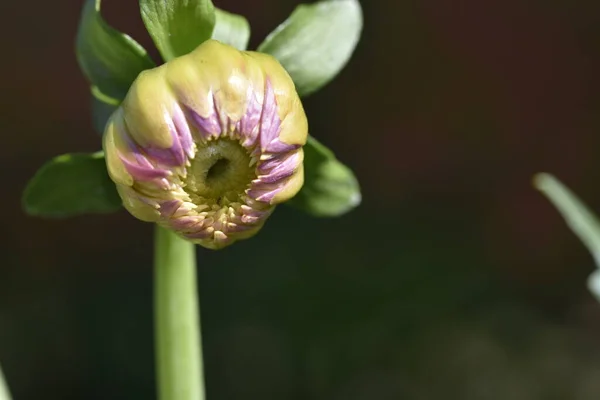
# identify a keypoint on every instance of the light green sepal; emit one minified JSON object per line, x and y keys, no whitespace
{"x":316,"y":42}
{"x":109,"y":59}
{"x":69,"y":185}
{"x":330,"y":188}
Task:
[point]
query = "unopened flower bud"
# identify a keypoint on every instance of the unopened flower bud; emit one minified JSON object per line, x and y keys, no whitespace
{"x":208,"y":143}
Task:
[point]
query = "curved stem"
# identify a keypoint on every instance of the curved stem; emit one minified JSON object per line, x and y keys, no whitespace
{"x":4,"y":393}
{"x":178,"y":343}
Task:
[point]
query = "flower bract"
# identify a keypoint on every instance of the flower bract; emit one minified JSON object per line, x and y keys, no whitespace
{"x":208,"y":143}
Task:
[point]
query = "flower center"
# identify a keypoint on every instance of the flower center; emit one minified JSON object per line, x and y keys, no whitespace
{"x":220,"y":172}
{"x":218,"y":169}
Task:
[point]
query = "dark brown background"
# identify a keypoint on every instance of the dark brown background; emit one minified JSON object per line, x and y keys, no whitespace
{"x":454,"y":279}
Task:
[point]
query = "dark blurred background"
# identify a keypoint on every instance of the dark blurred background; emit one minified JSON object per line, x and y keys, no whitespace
{"x":453,"y":280}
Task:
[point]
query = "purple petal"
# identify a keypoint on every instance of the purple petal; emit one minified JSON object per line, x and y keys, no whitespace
{"x":183,"y":130}
{"x":269,"y":121}
{"x":277,"y":176}
{"x":249,"y":121}
{"x":279,"y":147}
{"x":264,"y":192}
{"x":173,"y":156}
{"x":202,"y":234}
{"x":208,"y":126}
{"x":284,"y":161}
{"x":264,"y":195}
{"x":137,"y":152}
{"x":237,"y":228}
{"x":168,"y":208}
{"x":186,"y":223}
{"x":144,"y":173}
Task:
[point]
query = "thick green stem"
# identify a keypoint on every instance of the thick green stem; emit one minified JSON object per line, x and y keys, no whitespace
{"x":4,"y":393}
{"x":177,"y":327}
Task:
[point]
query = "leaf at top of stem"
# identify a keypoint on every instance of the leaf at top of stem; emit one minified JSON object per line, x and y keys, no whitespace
{"x":316,"y":42}
{"x":330,"y":188}
{"x":102,"y":108}
{"x":69,"y":185}
{"x":231,"y":29}
{"x":110,"y":60}
{"x":178,"y":26}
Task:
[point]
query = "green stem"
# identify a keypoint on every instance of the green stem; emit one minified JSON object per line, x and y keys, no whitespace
{"x":4,"y":393}
{"x":178,"y":343}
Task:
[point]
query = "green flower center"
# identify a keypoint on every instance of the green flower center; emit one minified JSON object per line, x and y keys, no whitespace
{"x":220,"y":173}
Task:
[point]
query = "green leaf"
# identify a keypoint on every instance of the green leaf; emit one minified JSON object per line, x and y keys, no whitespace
{"x":579,"y":218}
{"x":178,"y":26}
{"x":109,"y":59}
{"x":593,"y":283}
{"x":231,"y":29}
{"x":330,"y":188}
{"x":4,"y":392}
{"x":102,"y":108}
{"x":316,"y":42}
{"x":71,"y":184}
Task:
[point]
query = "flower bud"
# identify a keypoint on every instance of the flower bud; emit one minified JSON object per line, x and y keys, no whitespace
{"x":208,"y":143}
